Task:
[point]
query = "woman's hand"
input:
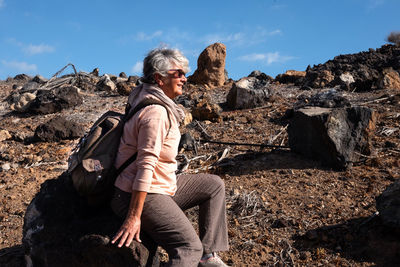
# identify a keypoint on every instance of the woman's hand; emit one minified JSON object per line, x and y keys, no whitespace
{"x":128,"y":231}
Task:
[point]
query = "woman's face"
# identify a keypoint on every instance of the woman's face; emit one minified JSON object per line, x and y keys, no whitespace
{"x":172,"y":83}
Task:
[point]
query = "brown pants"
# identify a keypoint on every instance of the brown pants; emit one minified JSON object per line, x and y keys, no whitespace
{"x":164,"y":221}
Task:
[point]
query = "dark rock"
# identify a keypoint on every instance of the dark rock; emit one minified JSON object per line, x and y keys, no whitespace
{"x":332,"y":135}
{"x":106,"y":84}
{"x":187,"y":142}
{"x":327,"y":98}
{"x":134,"y":79}
{"x":125,"y":88}
{"x":123,"y":75}
{"x":58,"y":129}
{"x":22,"y":77}
{"x":249,"y":92}
{"x":95,"y":72}
{"x":30,"y":87}
{"x":55,"y":100}
{"x":60,"y":229}
{"x":205,"y":110}
{"x":388,"y":205}
{"x":39,"y":79}
{"x":365,"y":69}
{"x":261,"y":76}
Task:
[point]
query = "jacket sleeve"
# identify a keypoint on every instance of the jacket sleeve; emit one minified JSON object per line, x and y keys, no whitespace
{"x":152,"y":130}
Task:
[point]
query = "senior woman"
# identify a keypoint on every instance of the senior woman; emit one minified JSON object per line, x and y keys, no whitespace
{"x":148,"y":194}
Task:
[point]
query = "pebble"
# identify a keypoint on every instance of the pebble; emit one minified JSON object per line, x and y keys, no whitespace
{"x":6,"y":167}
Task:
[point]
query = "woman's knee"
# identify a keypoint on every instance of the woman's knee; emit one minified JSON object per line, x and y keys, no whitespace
{"x":217,"y":182}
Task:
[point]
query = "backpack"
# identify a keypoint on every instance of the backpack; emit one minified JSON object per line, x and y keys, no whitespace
{"x":91,"y":164}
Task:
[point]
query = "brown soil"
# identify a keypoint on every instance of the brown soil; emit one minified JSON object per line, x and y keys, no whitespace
{"x":283,"y":209}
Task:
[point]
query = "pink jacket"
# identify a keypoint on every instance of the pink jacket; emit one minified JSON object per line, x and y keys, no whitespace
{"x":149,"y":133}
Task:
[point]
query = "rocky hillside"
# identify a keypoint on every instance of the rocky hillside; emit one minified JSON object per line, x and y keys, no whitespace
{"x":285,"y":207}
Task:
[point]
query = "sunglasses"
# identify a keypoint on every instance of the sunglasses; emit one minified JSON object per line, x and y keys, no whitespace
{"x":177,"y":73}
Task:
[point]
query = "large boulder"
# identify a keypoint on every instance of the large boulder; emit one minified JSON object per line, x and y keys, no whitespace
{"x":249,"y":92}
{"x":55,"y":100}
{"x":58,"y":129}
{"x":210,"y":70}
{"x":60,"y":229}
{"x":336,"y":136}
{"x":388,"y":205}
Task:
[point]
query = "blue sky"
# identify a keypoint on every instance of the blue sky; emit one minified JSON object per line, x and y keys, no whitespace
{"x":42,"y":36}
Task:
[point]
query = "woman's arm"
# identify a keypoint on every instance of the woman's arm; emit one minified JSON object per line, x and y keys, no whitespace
{"x":130,"y":229}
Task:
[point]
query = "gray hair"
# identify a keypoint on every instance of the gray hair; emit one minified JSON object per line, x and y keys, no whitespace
{"x":160,"y":60}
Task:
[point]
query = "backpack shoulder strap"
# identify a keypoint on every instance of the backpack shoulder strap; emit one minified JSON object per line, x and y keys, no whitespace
{"x":129,"y":114}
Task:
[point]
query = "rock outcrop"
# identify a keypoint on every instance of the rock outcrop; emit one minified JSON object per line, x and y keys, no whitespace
{"x":249,"y":92}
{"x":210,"y":70}
{"x":363,"y":71}
{"x":60,"y":229}
{"x":333,"y":136}
{"x":58,"y":129}
{"x":52,"y":101}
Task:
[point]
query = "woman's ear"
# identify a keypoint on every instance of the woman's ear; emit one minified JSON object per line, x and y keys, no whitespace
{"x":157,"y":78}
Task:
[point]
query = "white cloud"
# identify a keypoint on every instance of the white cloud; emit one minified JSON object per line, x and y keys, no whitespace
{"x":276,"y":32}
{"x":38,"y":49}
{"x":20,"y":66}
{"x":268,"y":58}
{"x":224,"y":38}
{"x":2,"y":3}
{"x":141,"y":36}
{"x":244,"y":38}
{"x":31,"y":49}
{"x":137,"y":68}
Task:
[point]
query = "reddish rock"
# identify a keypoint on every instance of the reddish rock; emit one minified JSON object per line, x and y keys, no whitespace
{"x":210,"y":67}
{"x":389,"y":79}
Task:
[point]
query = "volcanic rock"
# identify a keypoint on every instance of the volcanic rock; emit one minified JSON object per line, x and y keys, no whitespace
{"x":22,"y":77}
{"x":123,"y":75}
{"x":291,"y":76}
{"x":388,"y":205}
{"x":210,"y":67}
{"x":206,"y":110}
{"x":261,"y":76}
{"x":39,"y":79}
{"x":389,"y":79}
{"x":20,"y":103}
{"x":30,"y":86}
{"x":95,"y":72}
{"x":249,"y":92}
{"x":125,"y":88}
{"x":364,"y":67}
{"x":55,"y":100}
{"x":334,"y":136}
{"x":60,"y":229}
{"x":106,"y":84}
{"x":58,"y":129}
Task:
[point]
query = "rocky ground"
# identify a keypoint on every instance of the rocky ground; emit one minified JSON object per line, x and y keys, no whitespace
{"x":283,"y":209}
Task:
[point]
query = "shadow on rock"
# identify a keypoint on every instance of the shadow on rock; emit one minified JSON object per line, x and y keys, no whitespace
{"x":60,"y":229}
{"x":361,"y":239}
{"x":256,"y":161}
{"x":12,"y":256}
